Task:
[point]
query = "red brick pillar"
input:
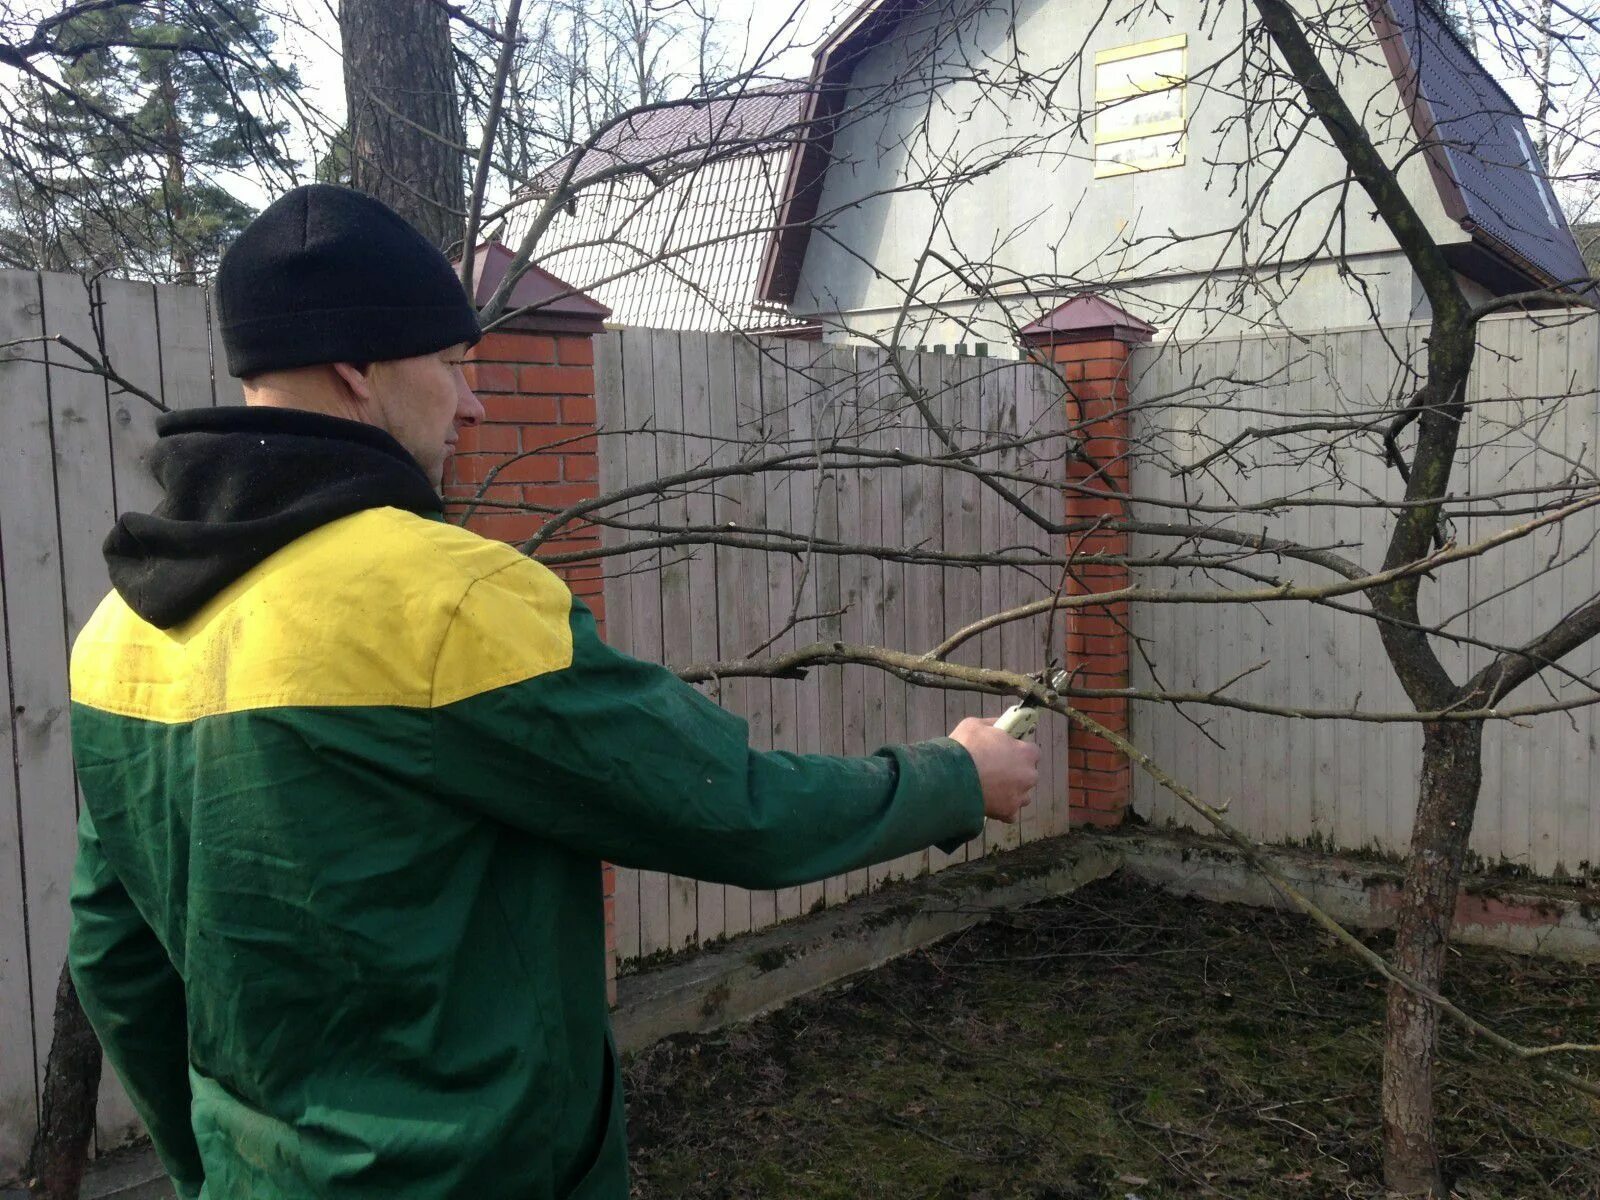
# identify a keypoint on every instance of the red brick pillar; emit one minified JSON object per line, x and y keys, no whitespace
{"x":1089,"y":342}
{"x":536,"y":451}
{"x":537,"y":448}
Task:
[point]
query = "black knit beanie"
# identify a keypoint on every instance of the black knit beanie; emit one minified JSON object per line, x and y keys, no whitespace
{"x":326,"y":275}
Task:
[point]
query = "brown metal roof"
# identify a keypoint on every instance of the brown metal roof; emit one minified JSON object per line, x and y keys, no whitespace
{"x":683,"y":135}
{"x":683,"y":256}
{"x":1087,"y":317}
{"x":680,"y":247}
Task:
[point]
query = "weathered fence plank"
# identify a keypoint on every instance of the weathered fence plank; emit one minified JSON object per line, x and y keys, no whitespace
{"x":678,"y":603}
{"x":701,"y":507}
{"x":1532,"y":417}
{"x":21,"y":386}
{"x":611,"y":418}
{"x":36,"y":640}
{"x":86,"y":504}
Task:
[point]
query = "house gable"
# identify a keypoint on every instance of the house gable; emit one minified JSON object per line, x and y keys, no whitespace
{"x":842,"y":215}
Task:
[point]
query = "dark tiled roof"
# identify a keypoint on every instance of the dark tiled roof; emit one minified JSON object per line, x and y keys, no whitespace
{"x":755,"y":122}
{"x":1501,"y":194}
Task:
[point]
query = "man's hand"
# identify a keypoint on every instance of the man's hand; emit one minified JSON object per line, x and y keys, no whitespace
{"x":1008,"y":769}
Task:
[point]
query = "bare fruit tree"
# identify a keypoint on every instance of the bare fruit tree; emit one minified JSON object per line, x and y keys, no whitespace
{"x":1258,"y":183}
{"x":1401,"y":492}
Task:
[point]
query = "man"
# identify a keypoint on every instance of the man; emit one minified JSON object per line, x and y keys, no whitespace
{"x":349,"y":771}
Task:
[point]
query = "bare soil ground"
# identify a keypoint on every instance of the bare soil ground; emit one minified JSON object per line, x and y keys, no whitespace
{"x":1118,"y":1043}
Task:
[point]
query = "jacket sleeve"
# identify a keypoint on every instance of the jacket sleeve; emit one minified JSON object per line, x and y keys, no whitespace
{"x":621,"y":759}
{"x":134,"y":1000}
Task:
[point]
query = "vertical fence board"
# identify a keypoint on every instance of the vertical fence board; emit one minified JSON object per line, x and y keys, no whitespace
{"x":133,"y":343}
{"x":27,"y":529}
{"x":678,"y":609}
{"x":1547,"y":598}
{"x":741,"y":573}
{"x":910,"y":614}
{"x":82,"y":443}
{"x":86,"y":504}
{"x":849,"y":526}
{"x":611,"y":417}
{"x":791,"y":582}
{"x":761,"y":369}
{"x":838,"y":423}
{"x":37,"y":645}
{"x":185,"y":347}
{"x":934,"y":601}
{"x":644,"y":583}
{"x":701,"y":508}
{"x":225,"y":390}
{"x":861,"y":517}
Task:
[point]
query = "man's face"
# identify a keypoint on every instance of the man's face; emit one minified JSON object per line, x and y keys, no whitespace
{"x":424,"y":402}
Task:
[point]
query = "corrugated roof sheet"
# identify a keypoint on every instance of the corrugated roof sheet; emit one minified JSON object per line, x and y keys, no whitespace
{"x":1485,"y":142}
{"x":685,"y":255}
{"x":753,"y":122}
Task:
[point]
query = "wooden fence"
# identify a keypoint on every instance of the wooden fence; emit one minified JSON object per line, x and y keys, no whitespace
{"x":71,"y":458}
{"x":674,"y":400}
{"x":1534,"y":421}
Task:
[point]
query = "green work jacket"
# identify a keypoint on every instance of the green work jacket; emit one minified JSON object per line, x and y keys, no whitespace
{"x":337,"y":911}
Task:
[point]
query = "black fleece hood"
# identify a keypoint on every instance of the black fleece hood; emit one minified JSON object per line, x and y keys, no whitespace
{"x":241,"y":484}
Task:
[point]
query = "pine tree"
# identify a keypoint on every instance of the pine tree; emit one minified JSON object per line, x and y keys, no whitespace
{"x":133,"y":164}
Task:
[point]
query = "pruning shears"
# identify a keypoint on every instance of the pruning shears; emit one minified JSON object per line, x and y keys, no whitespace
{"x":1020,"y":719}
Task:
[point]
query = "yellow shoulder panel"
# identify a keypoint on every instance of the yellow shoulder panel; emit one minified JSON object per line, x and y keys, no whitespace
{"x":517,"y":618}
{"x":379,"y":608}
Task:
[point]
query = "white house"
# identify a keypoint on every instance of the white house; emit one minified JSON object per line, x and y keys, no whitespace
{"x":971,"y":165}
{"x":955,"y":168}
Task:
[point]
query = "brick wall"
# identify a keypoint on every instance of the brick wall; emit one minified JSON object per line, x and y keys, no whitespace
{"x":535,"y":453}
{"x":536,"y":446}
{"x":1093,"y":364}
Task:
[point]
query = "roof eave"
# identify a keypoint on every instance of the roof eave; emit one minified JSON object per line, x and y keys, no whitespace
{"x":786,"y":247}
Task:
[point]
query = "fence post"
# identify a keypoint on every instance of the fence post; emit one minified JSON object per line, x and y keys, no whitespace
{"x":1089,"y":341}
{"x":537,"y":444}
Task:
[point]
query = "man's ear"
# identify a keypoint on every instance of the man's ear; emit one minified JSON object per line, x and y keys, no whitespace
{"x":357,"y":378}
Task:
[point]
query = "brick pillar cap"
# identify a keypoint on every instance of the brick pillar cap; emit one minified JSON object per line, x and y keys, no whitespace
{"x":560,"y":307}
{"x":1087,"y":318}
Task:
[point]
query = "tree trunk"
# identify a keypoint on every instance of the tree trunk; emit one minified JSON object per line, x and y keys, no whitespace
{"x":175,"y":177}
{"x":71,"y":1088}
{"x":406,"y":142}
{"x":1452,"y":768}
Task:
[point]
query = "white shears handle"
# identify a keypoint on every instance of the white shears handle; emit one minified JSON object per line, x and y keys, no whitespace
{"x":1021,"y":719}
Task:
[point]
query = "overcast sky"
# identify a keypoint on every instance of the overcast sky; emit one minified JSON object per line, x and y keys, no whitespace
{"x":311,"y":39}
{"x":747,"y":26}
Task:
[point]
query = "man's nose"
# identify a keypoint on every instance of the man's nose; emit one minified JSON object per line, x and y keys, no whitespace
{"x":469,"y":410}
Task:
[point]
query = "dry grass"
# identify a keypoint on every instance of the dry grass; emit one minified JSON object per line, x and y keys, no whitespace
{"x":1116,"y":1043}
